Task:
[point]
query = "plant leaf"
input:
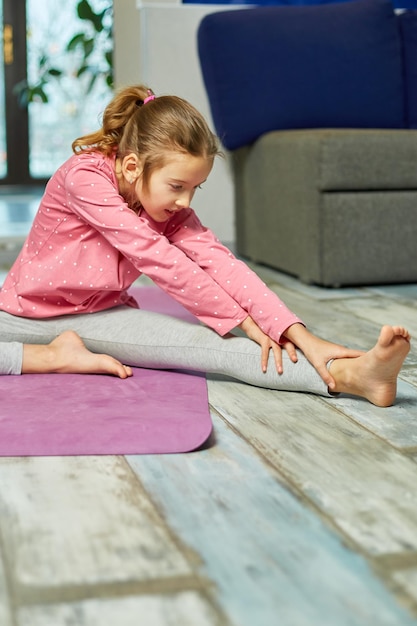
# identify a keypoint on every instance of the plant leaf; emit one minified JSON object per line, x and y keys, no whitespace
{"x":75,"y":41}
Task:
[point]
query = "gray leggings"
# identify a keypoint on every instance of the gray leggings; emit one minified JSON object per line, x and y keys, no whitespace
{"x":145,"y":339}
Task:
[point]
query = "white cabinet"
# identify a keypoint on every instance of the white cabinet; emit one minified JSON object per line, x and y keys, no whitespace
{"x":165,"y":57}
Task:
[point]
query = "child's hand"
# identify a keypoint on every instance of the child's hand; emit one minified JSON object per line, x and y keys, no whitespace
{"x":253,"y":331}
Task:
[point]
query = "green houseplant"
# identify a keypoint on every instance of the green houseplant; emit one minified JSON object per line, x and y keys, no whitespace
{"x":91,"y":49}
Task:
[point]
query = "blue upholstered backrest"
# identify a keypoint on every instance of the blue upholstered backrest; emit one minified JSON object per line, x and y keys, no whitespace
{"x":333,"y":65}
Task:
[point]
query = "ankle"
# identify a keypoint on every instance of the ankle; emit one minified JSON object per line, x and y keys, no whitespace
{"x":343,"y":375}
{"x":38,"y":359}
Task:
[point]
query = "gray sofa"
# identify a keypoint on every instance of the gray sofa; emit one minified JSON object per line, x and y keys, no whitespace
{"x":320,"y":116}
{"x":333,"y":207}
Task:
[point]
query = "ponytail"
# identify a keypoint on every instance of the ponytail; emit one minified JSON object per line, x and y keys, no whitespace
{"x":116,"y":115}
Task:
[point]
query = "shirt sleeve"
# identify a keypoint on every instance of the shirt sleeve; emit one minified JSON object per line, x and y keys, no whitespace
{"x":11,"y":357}
{"x":92,"y":195}
{"x":234,"y":276}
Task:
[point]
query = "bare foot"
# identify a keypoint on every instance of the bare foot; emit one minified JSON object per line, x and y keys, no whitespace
{"x":67,"y":354}
{"x":374,"y":375}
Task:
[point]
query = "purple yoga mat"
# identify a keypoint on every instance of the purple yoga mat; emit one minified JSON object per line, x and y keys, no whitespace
{"x":153,"y":412}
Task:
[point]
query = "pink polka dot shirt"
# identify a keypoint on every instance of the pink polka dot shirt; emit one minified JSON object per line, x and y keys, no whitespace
{"x":86,"y":247}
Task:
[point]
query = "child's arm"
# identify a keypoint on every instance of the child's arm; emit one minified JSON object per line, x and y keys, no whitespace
{"x":201,"y":245}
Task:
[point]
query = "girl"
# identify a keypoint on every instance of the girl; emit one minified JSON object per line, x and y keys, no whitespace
{"x":120,"y":207}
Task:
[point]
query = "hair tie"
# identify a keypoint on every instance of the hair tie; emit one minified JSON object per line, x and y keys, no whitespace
{"x":149,"y":97}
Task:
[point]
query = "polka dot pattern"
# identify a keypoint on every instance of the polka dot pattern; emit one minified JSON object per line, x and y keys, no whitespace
{"x":86,"y":247}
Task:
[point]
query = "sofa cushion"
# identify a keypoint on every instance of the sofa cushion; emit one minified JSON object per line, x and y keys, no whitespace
{"x":408,"y":25}
{"x":366,"y":159}
{"x":332,"y":65}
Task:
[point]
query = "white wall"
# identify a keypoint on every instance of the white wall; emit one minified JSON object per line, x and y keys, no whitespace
{"x":126,"y":31}
{"x":156,"y":44}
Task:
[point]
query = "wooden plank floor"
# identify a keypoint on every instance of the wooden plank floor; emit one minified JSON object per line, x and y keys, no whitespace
{"x":302,"y":511}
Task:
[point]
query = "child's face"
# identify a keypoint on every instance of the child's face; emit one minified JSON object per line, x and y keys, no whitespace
{"x":172,"y":187}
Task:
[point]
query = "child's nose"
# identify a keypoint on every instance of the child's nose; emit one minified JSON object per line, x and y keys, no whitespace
{"x":184,"y":200}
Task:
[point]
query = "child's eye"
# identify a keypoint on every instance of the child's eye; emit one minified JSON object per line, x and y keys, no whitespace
{"x":176,"y":187}
{"x":199,"y":187}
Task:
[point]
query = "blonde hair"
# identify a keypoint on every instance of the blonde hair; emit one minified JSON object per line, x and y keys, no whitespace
{"x":165,"y":124}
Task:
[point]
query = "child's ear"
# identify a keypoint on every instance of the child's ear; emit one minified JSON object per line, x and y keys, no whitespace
{"x":131,"y":167}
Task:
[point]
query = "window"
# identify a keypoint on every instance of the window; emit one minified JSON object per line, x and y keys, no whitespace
{"x":63,"y":87}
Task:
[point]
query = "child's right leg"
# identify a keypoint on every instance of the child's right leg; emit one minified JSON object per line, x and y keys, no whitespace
{"x":374,"y":375}
{"x":144,"y":339}
{"x":157,"y":341}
